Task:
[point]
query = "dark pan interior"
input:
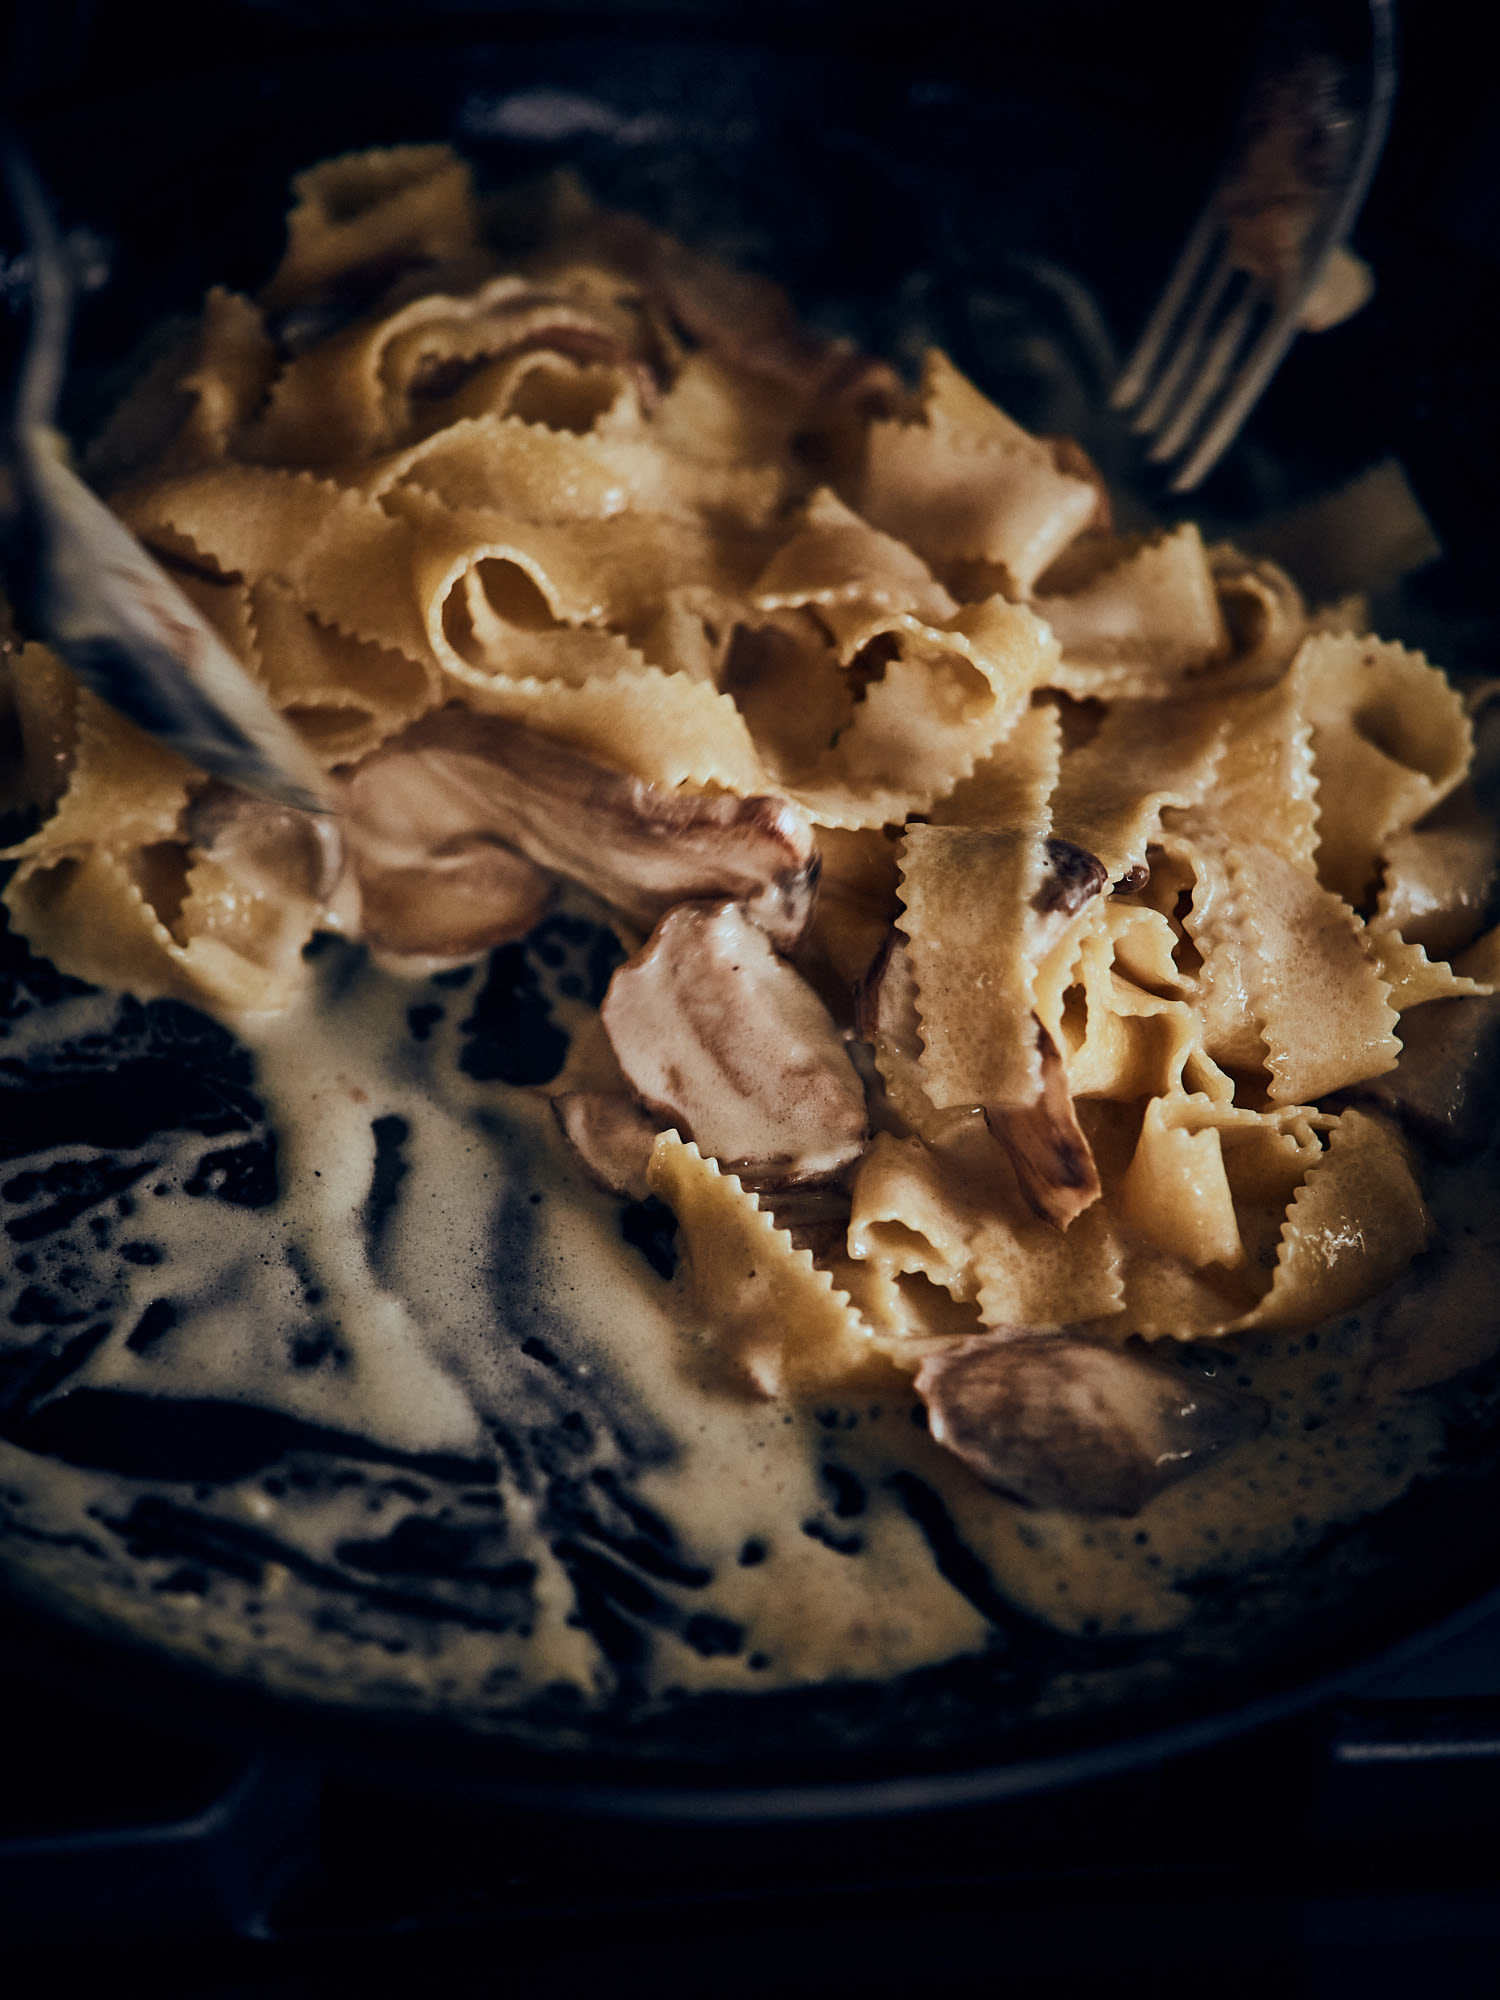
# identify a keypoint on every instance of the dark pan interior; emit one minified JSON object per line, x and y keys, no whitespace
{"x":897,"y":183}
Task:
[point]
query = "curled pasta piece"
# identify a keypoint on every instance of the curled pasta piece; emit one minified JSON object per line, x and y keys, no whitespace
{"x":344,"y":695}
{"x":347,"y":560}
{"x":533,"y":472}
{"x":1146,"y":605}
{"x":1265,"y":615}
{"x":228,"y":379}
{"x":1112,"y":790}
{"x":836,"y":558}
{"x":610,"y":573}
{"x":946,"y":696}
{"x":1390,"y":739}
{"x":123,"y":788}
{"x":382,"y":382}
{"x":412,"y":202}
{"x":915,"y":1211}
{"x":114,"y":889}
{"x":1355,"y":1223}
{"x":967,"y":482}
{"x":1320,"y":1002}
{"x":1119,"y":1038}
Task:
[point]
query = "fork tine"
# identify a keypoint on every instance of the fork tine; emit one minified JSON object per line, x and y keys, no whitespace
{"x":1141,"y":366}
{"x":1189,"y":343}
{"x":1207,"y":352}
{"x":1261,"y":364}
{"x":1223,"y":351}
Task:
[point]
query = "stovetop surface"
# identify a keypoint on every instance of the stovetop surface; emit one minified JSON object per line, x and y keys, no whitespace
{"x":1350,"y":1849}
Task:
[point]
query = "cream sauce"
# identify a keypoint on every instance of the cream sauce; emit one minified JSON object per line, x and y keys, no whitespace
{"x":496,"y":1314}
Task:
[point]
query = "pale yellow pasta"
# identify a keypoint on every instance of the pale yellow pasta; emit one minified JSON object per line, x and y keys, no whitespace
{"x":968,"y":895}
{"x":913,"y":1212}
{"x":345,"y":694}
{"x":1412,"y":976}
{"x":363,"y":207}
{"x":835,"y":558}
{"x":1112,"y":790}
{"x":617,"y":496}
{"x":1149,"y":606}
{"x":947,"y":697}
{"x":1265,"y":785}
{"x":349,"y":561}
{"x":233,"y":369}
{"x":1322,"y":1008}
{"x":665,"y":728}
{"x":966,"y":482}
{"x":1011,"y":786}
{"x":1354,"y":1224}
{"x":1032,"y":1276}
{"x":1390,"y":740}
{"x":779,"y":1318}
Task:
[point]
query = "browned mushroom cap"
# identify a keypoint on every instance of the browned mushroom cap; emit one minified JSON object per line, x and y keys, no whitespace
{"x":719,"y":1036}
{"x":611,"y":1134}
{"x":1053,"y":1420}
{"x":435,"y":882}
{"x":451,"y":908}
{"x":457,"y":780}
{"x":1048,"y":1148}
{"x":1072,"y":878}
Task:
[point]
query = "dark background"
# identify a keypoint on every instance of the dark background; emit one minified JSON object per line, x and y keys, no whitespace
{"x":900,"y":141}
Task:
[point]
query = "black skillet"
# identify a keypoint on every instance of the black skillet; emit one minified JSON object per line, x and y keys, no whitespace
{"x":901,"y":174}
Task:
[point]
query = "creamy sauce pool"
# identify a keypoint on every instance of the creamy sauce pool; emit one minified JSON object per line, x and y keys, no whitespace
{"x":488,"y":1313}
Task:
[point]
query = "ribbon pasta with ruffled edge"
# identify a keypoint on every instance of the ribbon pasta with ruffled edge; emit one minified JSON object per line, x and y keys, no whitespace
{"x":614,"y":496}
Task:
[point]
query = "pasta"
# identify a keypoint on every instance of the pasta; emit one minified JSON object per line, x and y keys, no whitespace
{"x":1130,"y":875}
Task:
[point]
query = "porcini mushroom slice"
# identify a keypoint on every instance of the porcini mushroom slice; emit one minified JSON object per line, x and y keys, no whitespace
{"x":1053,"y":1159}
{"x":435,"y":884}
{"x":1053,"y":1420}
{"x":1072,"y":878}
{"x":612,"y":1136}
{"x":719,"y":1036}
{"x":458,"y":777}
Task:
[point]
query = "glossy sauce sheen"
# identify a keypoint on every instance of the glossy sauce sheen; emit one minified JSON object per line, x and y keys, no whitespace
{"x":527,"y":1470}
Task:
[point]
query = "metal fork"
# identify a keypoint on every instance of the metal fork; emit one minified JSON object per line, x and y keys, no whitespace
{"x":1309,"y":136}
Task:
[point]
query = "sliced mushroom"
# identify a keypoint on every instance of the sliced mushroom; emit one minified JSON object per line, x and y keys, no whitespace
{"x":1073,"y":877}
{"x":719,"y":1036}
{"x":457,"y":780}
{"x":1048,"y":1148}
{"x":436,"y":884}
{"x":611,"y":1134}
{"x":1053,"y":1420}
